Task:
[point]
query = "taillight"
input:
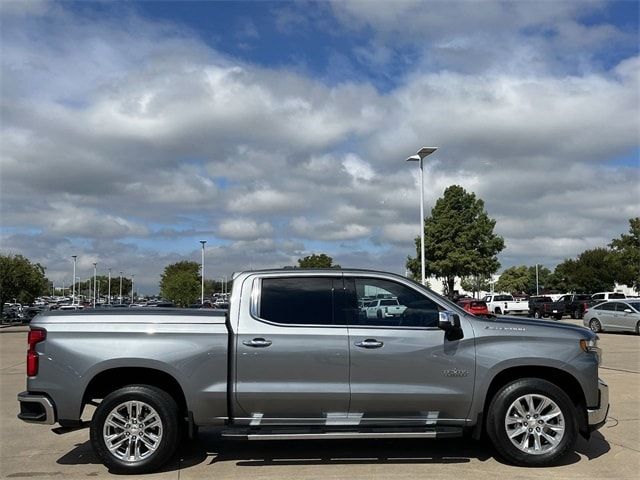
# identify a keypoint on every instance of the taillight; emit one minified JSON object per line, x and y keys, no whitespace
{"x":35,"y":336}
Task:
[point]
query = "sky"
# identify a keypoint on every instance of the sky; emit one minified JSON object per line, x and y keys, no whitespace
{"x":131,"y":131}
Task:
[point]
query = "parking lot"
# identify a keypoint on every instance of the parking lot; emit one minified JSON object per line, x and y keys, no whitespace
{"x":30,"y":451}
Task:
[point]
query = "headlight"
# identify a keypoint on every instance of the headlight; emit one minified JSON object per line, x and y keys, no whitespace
{"x":591,"y":346}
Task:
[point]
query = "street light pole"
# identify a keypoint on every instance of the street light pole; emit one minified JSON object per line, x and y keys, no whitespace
{"x":202,"y":274}
{"x":120,"y":288}
{"x":132,"y":275}
{"x":537,"y":289}
{"x":95,"y":276}
{"x":73,"y":297}
{"x":109,"y":286}
{"x":421,"y":155}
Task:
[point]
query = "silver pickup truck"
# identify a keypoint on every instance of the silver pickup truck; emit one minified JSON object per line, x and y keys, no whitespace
{"x":293,"y":358}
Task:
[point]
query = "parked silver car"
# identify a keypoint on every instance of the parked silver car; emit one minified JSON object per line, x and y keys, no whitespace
{"x":614,"y":316}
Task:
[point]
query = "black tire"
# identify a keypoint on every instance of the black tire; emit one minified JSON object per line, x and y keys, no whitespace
{"x":536,"y":314}
{"x":558,"y":317}
{"x":498,"y":409}
{"x":497,"y":311}
{"x":574,"y":314}
{"x":167,"y":410}
{"x":638,"y":328}
{"x":379,"y":314}
{"x":595,"y":325}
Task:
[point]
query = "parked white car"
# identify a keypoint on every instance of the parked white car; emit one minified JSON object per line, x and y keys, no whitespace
{"x":505,"y":304}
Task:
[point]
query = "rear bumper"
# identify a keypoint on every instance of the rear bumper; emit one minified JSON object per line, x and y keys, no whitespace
{"x":36,"y":408}
{"x":598,"y":416}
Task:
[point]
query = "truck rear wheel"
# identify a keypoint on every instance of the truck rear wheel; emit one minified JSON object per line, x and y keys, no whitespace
{"x":532,"y":422}
{"x":135,"y":429}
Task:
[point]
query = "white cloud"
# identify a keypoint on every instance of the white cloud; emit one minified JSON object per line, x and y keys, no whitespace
{"x":67,"y":219}
{"x":327,"y":230}
{"x":243,"y":229}
{"x":358,"y":168}
{"x":114,"y":128}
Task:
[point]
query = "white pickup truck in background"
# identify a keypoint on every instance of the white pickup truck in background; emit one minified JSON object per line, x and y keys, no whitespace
{"x":384,"y":308}
{"x":505,"y":304}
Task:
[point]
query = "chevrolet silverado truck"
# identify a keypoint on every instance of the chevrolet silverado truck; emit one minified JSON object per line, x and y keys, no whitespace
{"x":575,"y":304}
{"x":294,"y":359}
{"x":542,"y":306}
{"x":505,"y":304}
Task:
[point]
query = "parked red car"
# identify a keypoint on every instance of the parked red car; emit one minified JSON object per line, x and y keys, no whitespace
{"x":477,"y":307}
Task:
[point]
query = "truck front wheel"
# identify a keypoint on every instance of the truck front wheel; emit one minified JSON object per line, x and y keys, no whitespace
{"x":532,"y":422}
{"x":135,"y":429}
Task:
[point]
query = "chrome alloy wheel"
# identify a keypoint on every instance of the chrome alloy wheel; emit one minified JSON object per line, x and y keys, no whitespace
{"x":132,"y":431}
{"x":534,"y":424}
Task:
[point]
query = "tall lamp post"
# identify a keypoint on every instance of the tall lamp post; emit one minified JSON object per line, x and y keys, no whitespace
{"x":109,"y":286}
{"x":421,"y":155}
{"x":95,"y":276}
{"x":120,"y":288}
{"x":73,"y":295}
{"x":132,"y":275}
{"x":202,"y":274}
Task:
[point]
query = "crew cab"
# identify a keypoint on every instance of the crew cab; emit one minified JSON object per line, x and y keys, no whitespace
{"x":294,"y":359}
{"x":600,"y":297}
{"x":544,"y":306}
{"x":575,"y":304}
{"x":505,"y":304}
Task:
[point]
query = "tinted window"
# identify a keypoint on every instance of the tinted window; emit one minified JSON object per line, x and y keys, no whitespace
{"x":503,"y":298}
{"x":408,"y":308}
{"x":608,"y":306}
{"x":581,"y":297}
{"x":617,"y":295}
{"x":300,"y":300}
{"x":620,"y":307}
{"x":598,"y":296}
{"x":635,"y":306}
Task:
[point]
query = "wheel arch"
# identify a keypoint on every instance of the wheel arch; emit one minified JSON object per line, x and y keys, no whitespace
{"x":561,"y":378}
{"x":112,"y":379}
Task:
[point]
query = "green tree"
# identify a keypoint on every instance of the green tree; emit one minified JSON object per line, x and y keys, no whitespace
{"x":625,"y":256}
{"x":180,"y":283}
{"x":593,"y":271}
{"x":522,"y":279}
{"x":513,"y":280}
{"x":544,"y":276}
{"x":20,"y":279}
{"x":317,"y":261}
{"x":459,"y":239}
{"x":475,"y":283}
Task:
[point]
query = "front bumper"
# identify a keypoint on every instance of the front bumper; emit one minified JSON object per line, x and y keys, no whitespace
{"x":36,"y":408}
{"x":598,"y":416}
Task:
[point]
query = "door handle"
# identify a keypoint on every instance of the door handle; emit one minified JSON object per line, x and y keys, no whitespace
{"x":369,"y":343}
{"x":257,"y":343}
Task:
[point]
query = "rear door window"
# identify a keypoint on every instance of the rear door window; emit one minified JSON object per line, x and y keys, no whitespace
{"x":297,"y":300}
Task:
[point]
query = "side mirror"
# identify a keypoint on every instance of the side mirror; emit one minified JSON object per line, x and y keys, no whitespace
{"x":448,"y":320}
{"x":627,"y":310}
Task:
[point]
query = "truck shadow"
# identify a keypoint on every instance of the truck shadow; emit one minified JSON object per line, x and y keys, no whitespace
{"x":209,"y":448}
